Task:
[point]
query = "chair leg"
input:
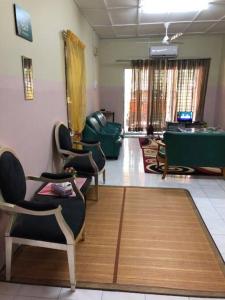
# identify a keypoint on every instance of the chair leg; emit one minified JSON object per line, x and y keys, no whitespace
{"x":83,"y":235}
{"x":165,"y":169}
{"x":8,"y":257}
{"x":96,"y":187}
{"x":71,"y":264}
{"x":223,"y":170}
{"x":157,"y":161}
{"x":103,"y":175}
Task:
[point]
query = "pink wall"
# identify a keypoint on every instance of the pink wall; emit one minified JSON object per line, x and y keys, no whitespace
{"x":112,"y":99}
{"x":26,"y":126}
{"x":93,"y":99}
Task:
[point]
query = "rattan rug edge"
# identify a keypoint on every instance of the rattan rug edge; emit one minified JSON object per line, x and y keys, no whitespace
{"x":142,"y":289}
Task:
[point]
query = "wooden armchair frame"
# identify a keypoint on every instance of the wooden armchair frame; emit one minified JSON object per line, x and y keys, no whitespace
{"x":162,"y":159}
{"x":67,"y":155}
{"x":11,"y":210}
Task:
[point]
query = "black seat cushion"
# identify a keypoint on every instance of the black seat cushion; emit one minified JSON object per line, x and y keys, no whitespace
{"x":83,"y":166}
{"x":65,"y":138}
{"x":12,"y":178}
{"x":46,"y":228}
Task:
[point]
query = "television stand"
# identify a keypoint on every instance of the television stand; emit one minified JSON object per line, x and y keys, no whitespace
{"x":179,"y":126}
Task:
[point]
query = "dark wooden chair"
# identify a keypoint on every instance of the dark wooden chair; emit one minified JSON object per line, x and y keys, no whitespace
{"x":87,"y":162}
{"x":44,"y":221}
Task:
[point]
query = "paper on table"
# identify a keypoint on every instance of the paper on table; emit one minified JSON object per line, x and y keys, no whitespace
{"x":47,"y":191}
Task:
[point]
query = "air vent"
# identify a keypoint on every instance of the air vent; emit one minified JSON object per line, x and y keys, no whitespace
{"x":163,"y":51}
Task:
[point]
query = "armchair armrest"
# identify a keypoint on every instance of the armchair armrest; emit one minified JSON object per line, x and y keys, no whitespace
{"x":87,"y":143}
{"x":49,"y":177}
{"x":161,"y":144}
{"x":75,"y":152}
{"x":79,"y":151}
{"x":55,"y":178}
{"x":12,"y":208}
{"x":91,"y":144}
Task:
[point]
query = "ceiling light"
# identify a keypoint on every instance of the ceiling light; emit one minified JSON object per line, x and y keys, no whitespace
{"x":173,"y":6}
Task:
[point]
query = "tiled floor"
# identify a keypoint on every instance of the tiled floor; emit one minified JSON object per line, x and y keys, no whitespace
{"x":208,"y":194}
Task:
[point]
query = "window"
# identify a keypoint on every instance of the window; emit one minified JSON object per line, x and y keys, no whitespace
{"x":156,"y":90}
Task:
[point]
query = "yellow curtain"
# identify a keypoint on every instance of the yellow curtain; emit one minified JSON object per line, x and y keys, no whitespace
{"x":76,"y":82}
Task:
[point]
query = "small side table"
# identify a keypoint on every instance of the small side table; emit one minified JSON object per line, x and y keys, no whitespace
{"x":109,"y":115}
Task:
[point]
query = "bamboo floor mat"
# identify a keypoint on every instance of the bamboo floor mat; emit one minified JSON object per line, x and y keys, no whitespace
{"x":149,"y":240}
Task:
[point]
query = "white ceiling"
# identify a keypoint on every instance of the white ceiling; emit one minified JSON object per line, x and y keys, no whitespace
{"x":124,"y":19}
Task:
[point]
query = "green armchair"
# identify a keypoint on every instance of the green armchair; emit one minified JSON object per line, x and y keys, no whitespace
{"x":110,"y":141}
{"x":192,"y":149}
{"x":106,"y":125}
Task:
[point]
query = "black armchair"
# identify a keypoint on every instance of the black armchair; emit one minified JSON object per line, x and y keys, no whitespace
{"x":44,"y":221}
{"x":87,"y":162}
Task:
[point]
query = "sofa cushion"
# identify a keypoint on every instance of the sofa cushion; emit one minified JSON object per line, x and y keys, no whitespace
{"x":100,"y":117}
{"x":12,"y":178}
{"x":46,"y":228}
{"x":93,"y":123}
{"x":65,"y":138}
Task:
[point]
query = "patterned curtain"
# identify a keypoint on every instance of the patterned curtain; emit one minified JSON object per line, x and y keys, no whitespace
{"x":161,"y":88}
{"x":139,"y":95}
{"x":76,"y":82}
{"x":188,"y":79}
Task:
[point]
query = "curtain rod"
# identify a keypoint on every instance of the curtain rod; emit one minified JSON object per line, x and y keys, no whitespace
{"x":152,"y":58}
{"x":64,"y":33}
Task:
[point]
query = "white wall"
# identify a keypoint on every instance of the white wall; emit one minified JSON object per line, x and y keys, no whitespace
{"x":220,"y":112}
{"x":27,"y":126}
{"x":112,"y":73}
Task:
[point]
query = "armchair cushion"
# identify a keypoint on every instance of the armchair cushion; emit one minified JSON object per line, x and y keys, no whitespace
{"x":46,"y":228}
{"x":65,"y":138}
{"x":83,"y":166}
{"x":37,"y":206}
{"x":13,"y":186}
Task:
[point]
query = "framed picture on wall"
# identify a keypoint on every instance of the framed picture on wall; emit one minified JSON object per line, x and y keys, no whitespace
{"x":28,"y":78}
{"x":23,"y":23}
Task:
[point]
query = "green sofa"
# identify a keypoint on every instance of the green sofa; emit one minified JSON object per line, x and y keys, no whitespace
{"x":106,"y":125}
{"x":194,"y":149}
{"x":109,"y":138}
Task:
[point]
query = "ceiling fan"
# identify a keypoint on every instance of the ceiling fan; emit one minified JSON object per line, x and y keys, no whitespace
{"x":166,"y":39}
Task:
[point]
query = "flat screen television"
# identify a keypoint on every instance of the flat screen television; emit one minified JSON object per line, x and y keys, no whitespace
{"x":184,"y":116}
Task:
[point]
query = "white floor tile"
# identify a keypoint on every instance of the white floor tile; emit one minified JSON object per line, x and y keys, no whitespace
{"x":29,"y":298}
{"x":6,"y":297}
{"x":223,"y":255}
{"x":191,"y":298}
{"x":80,"y":294}
{"x":122,"y":296}
{"x":164,"y":297}
{"x":214,"y":193}
{"x":219,"y":239}
{"x":9,"y":288}
{"x":39,"y":291}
